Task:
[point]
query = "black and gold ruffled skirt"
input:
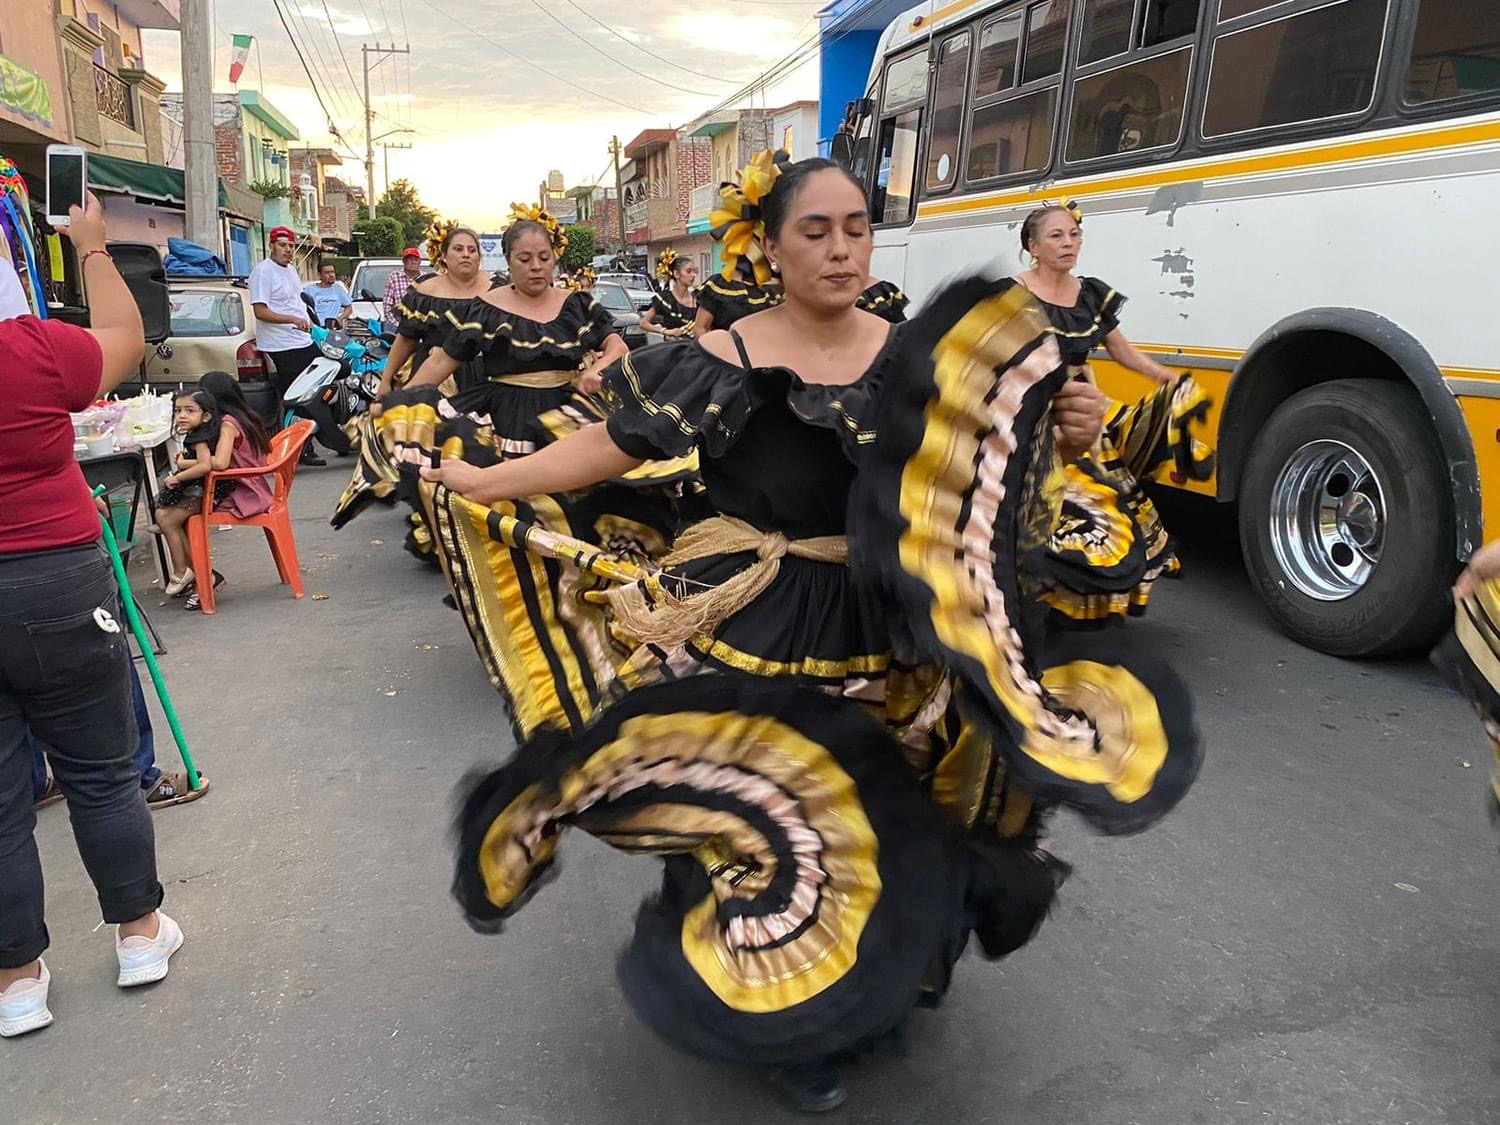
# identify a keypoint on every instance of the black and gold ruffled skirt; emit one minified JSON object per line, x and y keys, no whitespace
{"x":1109,"y":545}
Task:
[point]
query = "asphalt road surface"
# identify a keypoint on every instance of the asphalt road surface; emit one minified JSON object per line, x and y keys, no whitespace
{"x":1310,"y":939}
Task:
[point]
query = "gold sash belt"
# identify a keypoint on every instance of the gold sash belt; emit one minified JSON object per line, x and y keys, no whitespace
{"x":651,"y":613}
{"x":536,"y":380}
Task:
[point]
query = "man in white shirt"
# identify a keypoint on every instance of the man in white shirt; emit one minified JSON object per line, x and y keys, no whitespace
{"x":281,"y":332}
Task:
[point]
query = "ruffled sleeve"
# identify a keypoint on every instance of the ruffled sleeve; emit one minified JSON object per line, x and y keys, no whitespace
{"x":663,"y":308}
{"x":417,"y":313}
{"x":668,"y":400}
{"x":472,"y":325}
{"x":729,"y":301}
{"x":1103,"y":303}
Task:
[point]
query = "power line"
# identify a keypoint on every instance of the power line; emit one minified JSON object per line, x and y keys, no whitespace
{"x":598,"y":50}
{"x":332,"y":124}
{"x":646,"y":51}
{"x":335,"y":33}
{"x":474,"y":31}
{"x":318,"y":64}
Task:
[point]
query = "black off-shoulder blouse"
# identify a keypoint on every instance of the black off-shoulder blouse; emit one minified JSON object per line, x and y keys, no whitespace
{"x":510,"y":344}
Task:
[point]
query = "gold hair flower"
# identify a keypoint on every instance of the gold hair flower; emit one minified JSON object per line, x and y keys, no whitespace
{"x":1072,"y":208}
{"x":664,"y":263}
{"x":737,"y":221}
{"x":530,"y":212}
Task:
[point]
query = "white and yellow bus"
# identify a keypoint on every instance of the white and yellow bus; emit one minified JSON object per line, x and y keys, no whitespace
{"x":1301,"y":200}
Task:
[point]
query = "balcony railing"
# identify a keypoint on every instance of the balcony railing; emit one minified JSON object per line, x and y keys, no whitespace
{"x":705,"y":199}
{"x":113,"y":96}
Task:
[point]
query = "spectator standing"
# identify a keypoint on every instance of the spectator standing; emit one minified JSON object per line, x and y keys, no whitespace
{"x":281,"y":332}
{"x":331,"y":301}
{"x":398,"y":283}
{"x":64,"y":662}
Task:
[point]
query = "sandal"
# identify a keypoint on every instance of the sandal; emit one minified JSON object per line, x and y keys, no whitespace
{"x":50,"y":795}
{"x":172,"y":788}
{"x":179,"y":584}
{"x":192,"y":600}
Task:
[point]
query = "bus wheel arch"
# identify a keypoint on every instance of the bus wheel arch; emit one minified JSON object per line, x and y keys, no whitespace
{"x":1325,"y":344}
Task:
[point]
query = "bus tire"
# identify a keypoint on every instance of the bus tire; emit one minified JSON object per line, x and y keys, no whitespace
{"x":1346,"y":521}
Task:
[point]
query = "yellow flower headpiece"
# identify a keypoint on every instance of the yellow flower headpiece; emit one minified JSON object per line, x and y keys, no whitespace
{"x":436,"y":235}
{"x":738,"y":224}
{"x":1072,"y":208}
{"x":587,"y":273}
{"x":664,"y":262}
{"x":530,"y":212}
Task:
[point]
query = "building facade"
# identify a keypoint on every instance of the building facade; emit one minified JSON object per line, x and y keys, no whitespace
{"x":848,"y":33}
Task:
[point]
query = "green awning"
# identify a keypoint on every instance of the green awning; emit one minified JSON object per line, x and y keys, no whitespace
{"x":144,"y":181}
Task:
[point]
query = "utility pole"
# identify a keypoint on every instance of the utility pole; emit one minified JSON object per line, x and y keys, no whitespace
{"x":614,"y":151}
{"x":387,"y":146}
{"x":381,"y":54}
{"x":200,"y":168}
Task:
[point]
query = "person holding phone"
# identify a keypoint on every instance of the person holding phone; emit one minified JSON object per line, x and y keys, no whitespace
{"x":64,"y":660}
{"x":281,"y":331}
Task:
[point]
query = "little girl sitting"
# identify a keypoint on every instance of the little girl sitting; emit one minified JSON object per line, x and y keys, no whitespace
{"x":199,"y":422}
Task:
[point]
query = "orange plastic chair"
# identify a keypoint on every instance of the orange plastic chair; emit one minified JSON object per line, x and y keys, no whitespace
{"x":276,"y":522}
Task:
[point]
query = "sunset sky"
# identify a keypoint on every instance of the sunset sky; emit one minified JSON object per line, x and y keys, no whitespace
{"x":488,"y":123}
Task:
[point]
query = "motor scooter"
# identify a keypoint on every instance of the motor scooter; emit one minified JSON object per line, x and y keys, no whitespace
{"x":344,"y":378}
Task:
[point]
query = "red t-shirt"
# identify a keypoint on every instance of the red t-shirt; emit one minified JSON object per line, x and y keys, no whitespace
{"x":47,"y":369}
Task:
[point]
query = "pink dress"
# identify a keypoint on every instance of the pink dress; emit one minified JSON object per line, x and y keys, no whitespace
{"x":251,"y":495}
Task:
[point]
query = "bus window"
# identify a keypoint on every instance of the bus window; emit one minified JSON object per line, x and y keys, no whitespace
{"x":896,"y":172}
{"x":1106,"y":29}
{"x":1456,"y":51}
{"x":1166,"y":20}
{"x":947,"y":113}
{"x":1132,"y":108}
{"x":905,"y":82}
{"x":1046,"y":35}
{"x":1305,"y":67}
{"x":999,"y":44}
{"x":1012,"y":136}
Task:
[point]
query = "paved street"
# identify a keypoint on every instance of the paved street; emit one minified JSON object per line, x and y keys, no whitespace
{"x":1311,"y":939}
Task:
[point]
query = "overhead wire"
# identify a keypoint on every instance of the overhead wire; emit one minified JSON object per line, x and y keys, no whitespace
{"x":623,"y":38}
{"x":600,"y":51}
{"x":307,"y":70}
{"x":319,"y":63}
{"x":499,"y":46}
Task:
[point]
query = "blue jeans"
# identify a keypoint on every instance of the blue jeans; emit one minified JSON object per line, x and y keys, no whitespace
{"x":145,"y":754}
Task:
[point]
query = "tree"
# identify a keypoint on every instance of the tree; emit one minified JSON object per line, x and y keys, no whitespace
{"x":402,"y":203}
{"x":582,"y":246}
{"x":378,"y":238}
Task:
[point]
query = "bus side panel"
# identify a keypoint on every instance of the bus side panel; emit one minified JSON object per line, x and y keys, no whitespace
{"x":1483,"y":418}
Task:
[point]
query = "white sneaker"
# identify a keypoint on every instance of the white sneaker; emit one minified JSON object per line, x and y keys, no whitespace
{"x":23,"y":1006}
{"x":144,"y":960}
{"x":180,"y":583}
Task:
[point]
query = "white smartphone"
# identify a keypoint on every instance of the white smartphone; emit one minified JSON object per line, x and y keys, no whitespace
{"x":67,"y":173}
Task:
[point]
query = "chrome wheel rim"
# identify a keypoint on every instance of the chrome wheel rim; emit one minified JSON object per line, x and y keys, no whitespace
{"x":1328,"y":520}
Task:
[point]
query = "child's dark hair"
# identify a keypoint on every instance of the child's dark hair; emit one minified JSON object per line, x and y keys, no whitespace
{"x":777,"y":204}
{"x":225,"y":389}
{"x":206,"y":402}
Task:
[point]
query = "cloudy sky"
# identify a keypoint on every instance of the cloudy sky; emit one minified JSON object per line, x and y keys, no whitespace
{"x":489,"y":119}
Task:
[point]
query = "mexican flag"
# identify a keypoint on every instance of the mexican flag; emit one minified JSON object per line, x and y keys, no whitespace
{"x":238,"y":56}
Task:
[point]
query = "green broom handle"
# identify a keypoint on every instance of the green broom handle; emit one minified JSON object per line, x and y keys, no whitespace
{"x":194,"y":781}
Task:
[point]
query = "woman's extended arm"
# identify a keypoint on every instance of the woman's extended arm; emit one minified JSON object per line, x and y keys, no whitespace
{"x":592,"y":377}
{"x":586,"y":457}
{"x":703,"y":323}
{"x":648,"y":322}
{"x":400,"y":352}
{"x":1123,"y":352}
{"x":114,"y":317}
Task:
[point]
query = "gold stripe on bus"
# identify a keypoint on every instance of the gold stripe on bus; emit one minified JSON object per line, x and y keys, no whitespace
{"x":1435,"y":140}
{"x":941,"y":14}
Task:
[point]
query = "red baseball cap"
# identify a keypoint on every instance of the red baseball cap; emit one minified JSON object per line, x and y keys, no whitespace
{"x":411,"y":252}
{"x":282,"y":232}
